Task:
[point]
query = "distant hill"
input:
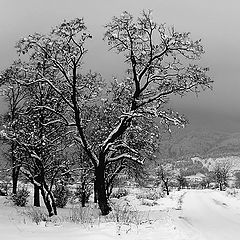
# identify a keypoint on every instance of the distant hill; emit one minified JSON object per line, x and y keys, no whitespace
{"x":201,"y":143}
{"x":197,"y":150}
{"x":229,"y":146}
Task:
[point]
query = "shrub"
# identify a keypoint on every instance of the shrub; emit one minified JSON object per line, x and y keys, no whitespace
{"x":121,"y":192}
{"x":61,"y":194}
{"x":122,"y":212}
{"x":232,"y":192}
{"x":148,"y":202}
{"x":150,"y":195}
{"x":36,"y":214}
{"x":21,"y":197}
{"x":4,"y":188}
{"x":2,"y":192}
{"x":85,"y":216}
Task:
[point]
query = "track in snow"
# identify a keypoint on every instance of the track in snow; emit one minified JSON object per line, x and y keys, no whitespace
{"x":210,"y":215}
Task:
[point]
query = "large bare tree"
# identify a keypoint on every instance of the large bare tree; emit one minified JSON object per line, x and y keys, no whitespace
{"x":157,"y":59}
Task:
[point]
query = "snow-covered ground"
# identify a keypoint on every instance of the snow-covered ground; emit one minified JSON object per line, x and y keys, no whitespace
{"x":184,"y":215}
{"x":153,"y":222}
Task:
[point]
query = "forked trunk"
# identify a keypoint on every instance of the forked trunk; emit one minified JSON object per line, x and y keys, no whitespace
{"x":101,"y":190}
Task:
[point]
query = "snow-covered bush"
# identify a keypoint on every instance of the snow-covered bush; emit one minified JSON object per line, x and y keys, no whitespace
{"x":124,"y":213}
{"x":4,"y":188}
{"x":21,"y":197}
{"x":152,"y":194}
{"x":61,"y":194}
{"x":3,"y":192}
{"x":232,"y":192}
{"x":85,"y":216}
{"x":148,"y":202}
{"x":36,"y":214}
{"x":121,"y":192}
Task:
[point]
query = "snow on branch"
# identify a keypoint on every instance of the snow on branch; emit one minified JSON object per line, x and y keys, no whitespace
{"x":30,"y":176}
{"x":124,"y":156}
{"x":175,"y":120}
{"x":123,"y":145}
{"x":57,"y":113}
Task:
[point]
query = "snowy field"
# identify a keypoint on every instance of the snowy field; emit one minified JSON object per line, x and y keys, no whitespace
{"x":184,"y":215}
{"x":137,"y":222}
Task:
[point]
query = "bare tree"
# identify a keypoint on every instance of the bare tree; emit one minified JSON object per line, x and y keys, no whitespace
{"x":221,"y":173}
{"x":39,"y":136}
{"x":182,"y":182}
{"x":165,"y":175}
{"x":156,"y":58}
{"x":14,"y":96}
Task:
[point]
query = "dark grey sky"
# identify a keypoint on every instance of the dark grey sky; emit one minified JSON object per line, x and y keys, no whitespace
{"x":216,"y":22}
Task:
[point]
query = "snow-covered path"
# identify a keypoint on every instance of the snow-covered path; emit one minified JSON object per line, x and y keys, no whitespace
{"x":210,"y":215}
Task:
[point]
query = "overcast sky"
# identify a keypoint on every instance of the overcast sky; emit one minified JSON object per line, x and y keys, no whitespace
{"x":216,"y":22}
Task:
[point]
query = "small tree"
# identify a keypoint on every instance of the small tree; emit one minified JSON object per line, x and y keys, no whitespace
{"x":165,"y":175}
{"x":221,"y":173}
{"x":182,"y":182}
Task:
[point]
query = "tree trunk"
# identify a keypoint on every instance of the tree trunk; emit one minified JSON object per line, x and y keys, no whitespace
{"x":220,"y":187}
{"x":95,"y":191}
{"x":101,"y":190}
{"x":36,"y":193}
{"x":53,"y":203}
{"x":109,"y":189}
{"x":167,"y":188}
{"x":15,"y":174}
{"x":83,"y":200}
{"x":49,"y":203}
{"x":36,"y":196}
